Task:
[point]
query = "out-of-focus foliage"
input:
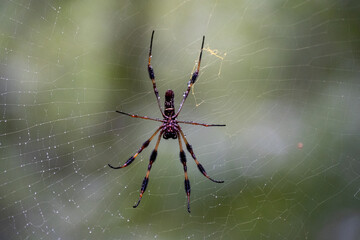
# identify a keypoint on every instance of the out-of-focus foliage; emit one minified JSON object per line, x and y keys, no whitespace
{"x":282,"y":75}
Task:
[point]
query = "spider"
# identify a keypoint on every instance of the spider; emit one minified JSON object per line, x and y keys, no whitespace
{"x":169,"y":128}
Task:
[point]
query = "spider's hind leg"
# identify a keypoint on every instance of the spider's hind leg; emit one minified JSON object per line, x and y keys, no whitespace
{"x":146,"y":178}
{"x":200,"y":167}
{"x":186,"y":182}
{"x":132,"y":158}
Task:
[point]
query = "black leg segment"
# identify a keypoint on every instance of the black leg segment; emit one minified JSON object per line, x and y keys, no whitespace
{"x":200,"y":167}
{"x":132,"y":158}
{"x":146,"y":178}
{"x":186,"y":182}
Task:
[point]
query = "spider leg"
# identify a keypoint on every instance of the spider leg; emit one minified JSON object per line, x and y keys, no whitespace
{"x":192,"y":79}
{"x":132,"y":158}
{"x":200,"y":167}
{"x":142,"y":117}
{"x":152,"y":75}
{"x":151,"y":161}
{"x":187,"y":182}
{"x":202,"y":124}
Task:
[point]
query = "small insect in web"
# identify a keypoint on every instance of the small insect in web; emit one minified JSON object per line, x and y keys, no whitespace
{"x":169,"y":128}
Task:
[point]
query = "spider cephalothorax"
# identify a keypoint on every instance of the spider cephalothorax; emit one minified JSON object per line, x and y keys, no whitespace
{"x":169,"y":128}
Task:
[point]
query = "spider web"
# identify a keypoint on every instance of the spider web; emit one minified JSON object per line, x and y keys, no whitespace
{"x":282,"y":75}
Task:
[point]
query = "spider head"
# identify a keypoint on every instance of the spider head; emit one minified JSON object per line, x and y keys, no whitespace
{"x":168,"y":135}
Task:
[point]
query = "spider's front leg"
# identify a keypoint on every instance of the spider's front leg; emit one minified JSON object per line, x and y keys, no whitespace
{"x":152,"y":75}
{"x":192,"y":79}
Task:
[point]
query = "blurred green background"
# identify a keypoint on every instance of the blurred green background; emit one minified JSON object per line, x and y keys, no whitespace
{"x":282,"y":75}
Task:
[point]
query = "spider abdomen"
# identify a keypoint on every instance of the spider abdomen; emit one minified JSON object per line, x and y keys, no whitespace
{"x":169,"y":103}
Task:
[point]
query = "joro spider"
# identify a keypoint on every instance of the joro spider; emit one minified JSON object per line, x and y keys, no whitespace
{"x":169,"y":128}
